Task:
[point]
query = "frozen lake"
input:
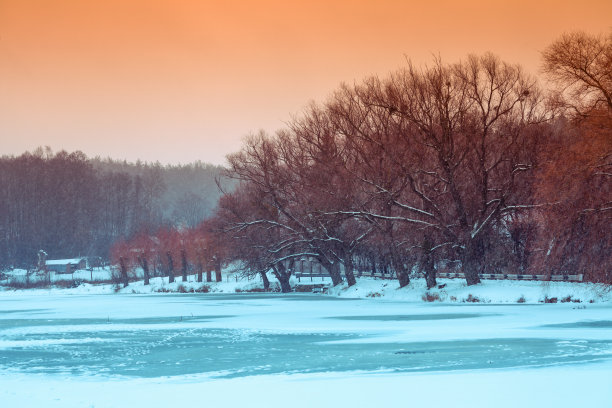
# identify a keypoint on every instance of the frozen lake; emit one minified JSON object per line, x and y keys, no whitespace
{"x":213,"y":337}
{"x":243,"y":335}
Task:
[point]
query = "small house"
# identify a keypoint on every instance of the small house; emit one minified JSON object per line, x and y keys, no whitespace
{"x":65,"y":265}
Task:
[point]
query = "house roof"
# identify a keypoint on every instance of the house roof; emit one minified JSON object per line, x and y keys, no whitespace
{"x":72,"y":261}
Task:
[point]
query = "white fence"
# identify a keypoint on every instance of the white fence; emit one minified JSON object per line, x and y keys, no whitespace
{"x":26,"y":278}
{"x":456,"y":275}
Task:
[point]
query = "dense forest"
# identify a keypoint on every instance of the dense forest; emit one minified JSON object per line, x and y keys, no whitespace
{"x":69,"y":205}
{"x":473,"y":166}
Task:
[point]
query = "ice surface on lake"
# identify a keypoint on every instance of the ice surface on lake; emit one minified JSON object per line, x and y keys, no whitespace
{"x":226,"y":336}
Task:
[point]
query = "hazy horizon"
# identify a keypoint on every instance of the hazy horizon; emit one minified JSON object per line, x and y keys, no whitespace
{"x":56,"y":149}
{"x":181,"y":81}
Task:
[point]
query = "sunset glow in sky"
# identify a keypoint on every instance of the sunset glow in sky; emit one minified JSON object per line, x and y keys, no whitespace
{"x":184,"y":80}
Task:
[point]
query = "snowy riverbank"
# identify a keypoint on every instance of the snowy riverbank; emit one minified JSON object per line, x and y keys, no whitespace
{"x":448,"y":290}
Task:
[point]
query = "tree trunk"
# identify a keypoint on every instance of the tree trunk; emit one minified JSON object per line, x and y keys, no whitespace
{"x":430,"y":272}
{"x":170,"y":267}
{"x":124,"y":275}
{"x":280,"y":272}
{"x":266,"y":282}
{"x":208,"y":274}
{"x":471,"y":268}
{"x":348,"y":269}
{"x":427,"y":264}
{"x":218,"y":276}
{"x":472,"y":262}
{"x":200,"y":267}
{"x":400,"y":271}
{"x":334,"y":272}
{"x":184,"y":264}
{"x":145,"y":268}
{"x":333,"y":268}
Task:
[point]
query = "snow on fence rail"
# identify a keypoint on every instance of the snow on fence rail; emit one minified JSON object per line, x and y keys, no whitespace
{"x":511,"y":276}
{"x":459,"y":275}
{"x":309,"y":268}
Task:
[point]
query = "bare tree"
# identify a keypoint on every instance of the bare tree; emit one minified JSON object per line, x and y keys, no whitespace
{"x":580,"y":66}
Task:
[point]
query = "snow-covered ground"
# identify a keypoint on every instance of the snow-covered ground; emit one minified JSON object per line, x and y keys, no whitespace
{"x":91,"y":347}
{"x":453,"y":290}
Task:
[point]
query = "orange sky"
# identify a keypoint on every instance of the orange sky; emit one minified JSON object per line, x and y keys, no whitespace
{"x":182,"y":80}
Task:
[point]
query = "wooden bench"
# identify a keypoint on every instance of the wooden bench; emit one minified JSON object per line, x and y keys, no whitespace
{"x":300,"y":275}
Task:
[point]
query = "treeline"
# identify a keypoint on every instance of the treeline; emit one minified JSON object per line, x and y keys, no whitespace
{"x":470,"y":166}
{"x":69,"y":205}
